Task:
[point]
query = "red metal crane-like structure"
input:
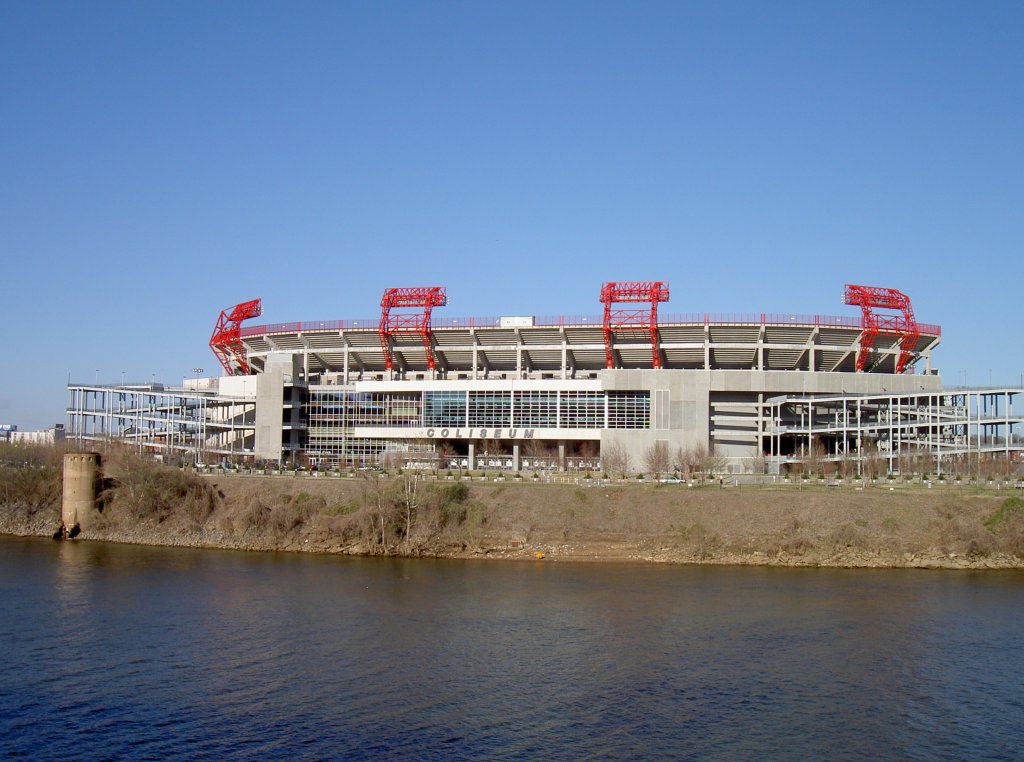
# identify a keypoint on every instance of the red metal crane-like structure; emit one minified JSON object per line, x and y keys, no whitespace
{"x":645,"y":318}
{"x":392,"y":324}
{"x":226,"y":341}
{"x":904,"y":325}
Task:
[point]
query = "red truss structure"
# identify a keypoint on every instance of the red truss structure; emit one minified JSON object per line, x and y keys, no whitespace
{"x":424,"y":297}
{"x":638,"y":318}
{"x":226,"y":341}
{"x":904,"y":325}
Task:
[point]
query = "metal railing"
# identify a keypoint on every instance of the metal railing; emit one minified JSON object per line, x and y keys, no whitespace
{"x":585,"y":321}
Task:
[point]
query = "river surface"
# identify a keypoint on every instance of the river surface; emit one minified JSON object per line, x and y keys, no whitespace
{"x":121,"y":652}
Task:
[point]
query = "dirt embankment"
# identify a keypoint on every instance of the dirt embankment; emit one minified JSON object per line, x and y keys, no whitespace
{"x":909,"y":527}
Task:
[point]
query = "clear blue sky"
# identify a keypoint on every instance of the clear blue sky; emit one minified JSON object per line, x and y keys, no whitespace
{"x":161,"y":161}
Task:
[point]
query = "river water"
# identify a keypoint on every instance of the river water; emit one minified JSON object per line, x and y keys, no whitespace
{"x":120,"y":652}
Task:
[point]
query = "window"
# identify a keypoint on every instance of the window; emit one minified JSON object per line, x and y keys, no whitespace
{"x":629,"y":410}
{"x":446,"y":409}
{"x":582,"y":410}
{"x":490,"y":409}
{"x":536,"y":410}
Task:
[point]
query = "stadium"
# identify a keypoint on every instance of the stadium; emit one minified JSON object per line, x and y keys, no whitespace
{"x":629,"y":390}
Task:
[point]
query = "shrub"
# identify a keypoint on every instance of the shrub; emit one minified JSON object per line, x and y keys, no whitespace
{"x":456,"y":493}
{"x":144,"y":489}
{"x":256,"y":516}
{"x":1010,"y":506}
{"x":31,"y":479}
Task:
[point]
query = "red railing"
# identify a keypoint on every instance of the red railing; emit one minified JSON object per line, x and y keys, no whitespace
{"x":586,"y":321}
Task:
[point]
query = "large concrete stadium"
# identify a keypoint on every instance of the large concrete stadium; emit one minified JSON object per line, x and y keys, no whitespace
{"x":413,"y":387}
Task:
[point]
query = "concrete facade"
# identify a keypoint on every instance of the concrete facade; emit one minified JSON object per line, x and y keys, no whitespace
{"x":528,"y":393}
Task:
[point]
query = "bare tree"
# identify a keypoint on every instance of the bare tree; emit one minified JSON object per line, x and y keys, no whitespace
{"x":390,"y":459}
{"x":681,"y":461}
{"x":533,"y":451}
{"x":491,"y":449}
{"x":445,"y":454}
{"x":703,"y":461}
{"x":657,"y":458}
{"x":873,"y":461}
{"x":381,"y":514}
{"x":814,"y":459}
{"x":587,"y":454}
{"x":714,"y":461}
{"x":409,"y":484}
{"x":615,"y":460}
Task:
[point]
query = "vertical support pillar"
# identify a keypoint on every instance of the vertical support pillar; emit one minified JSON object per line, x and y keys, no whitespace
{"x":81,"y":480}
{"x":561,"y":456}
{"x":471,"y":461}
{"x":1008,"y":430}
{"x":760,"y":425}
{"x":515,"y":458}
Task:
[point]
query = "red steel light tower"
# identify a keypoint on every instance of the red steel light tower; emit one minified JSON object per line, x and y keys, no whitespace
{"x":226,"y":341}
{"x":638,"y":318}
{"x":424,"y":297}
{"x":904,"y":326}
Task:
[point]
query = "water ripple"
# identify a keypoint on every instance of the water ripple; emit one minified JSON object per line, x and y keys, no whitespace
{"x":142,"y":653}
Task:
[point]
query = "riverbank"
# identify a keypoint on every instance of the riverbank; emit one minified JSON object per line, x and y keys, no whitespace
{"x":783,"y":525}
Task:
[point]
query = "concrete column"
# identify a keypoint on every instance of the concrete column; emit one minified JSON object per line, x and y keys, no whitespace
{"x":472,"y":457}
{"x":270,"y":399}
{"x":561,"y":456}
{"x":81,"y":480}
{"x":515,"y":458}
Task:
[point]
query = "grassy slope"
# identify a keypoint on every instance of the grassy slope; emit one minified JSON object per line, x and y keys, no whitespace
{"x":147,"y":503}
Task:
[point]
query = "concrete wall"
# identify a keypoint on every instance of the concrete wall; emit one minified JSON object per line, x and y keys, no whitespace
{"x":689,"y":408}
{"x":721,"y":407}
{"x":679,"y":409}
{"x":282,"y":368}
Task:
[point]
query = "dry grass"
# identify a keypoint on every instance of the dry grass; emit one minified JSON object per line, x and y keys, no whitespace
{"x":147,"y":502}
{"x":31,"y":484}
{"x":139,"y":489}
